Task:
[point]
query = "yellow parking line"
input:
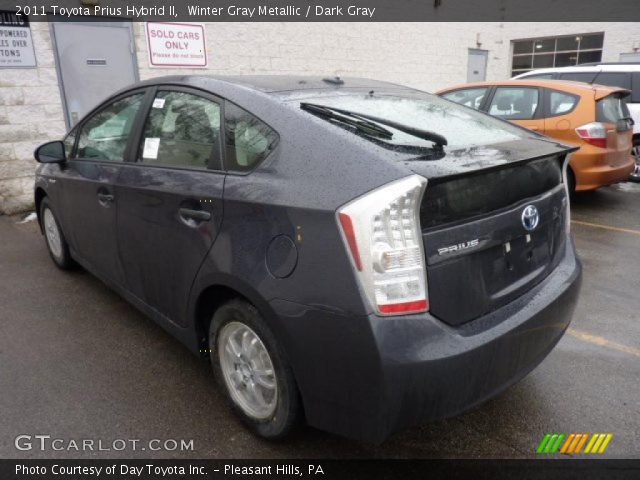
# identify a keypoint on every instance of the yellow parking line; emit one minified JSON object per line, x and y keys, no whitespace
{"x":606,"y":227}
{"x":603,"y":342}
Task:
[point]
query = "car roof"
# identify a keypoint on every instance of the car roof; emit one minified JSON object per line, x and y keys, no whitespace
{"x":622,"y":67}
{"x":274,"y":83}
{"x":563,"y":85}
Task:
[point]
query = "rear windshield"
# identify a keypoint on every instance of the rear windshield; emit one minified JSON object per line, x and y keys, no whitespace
{"x":461,"y":126}
{"x":612,"y":108}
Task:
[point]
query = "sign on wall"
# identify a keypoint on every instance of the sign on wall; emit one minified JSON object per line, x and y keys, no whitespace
{"x":176,"y":45}
{"x":16,"y":45}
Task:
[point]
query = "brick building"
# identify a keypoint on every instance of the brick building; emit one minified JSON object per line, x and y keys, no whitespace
{"x":39,"y":100}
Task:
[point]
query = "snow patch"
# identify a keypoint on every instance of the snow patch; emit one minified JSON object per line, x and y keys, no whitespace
{"x":29,"y":218}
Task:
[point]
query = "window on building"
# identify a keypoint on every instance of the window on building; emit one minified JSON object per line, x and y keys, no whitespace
{"x":561,"y":51}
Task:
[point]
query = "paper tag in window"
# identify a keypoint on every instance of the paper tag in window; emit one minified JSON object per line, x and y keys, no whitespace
{"x":151,"y":146}
{"x":158,"y":103}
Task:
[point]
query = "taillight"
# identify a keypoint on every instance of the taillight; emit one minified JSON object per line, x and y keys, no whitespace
{"x":381,"y":229}
{"x":594,"y":133}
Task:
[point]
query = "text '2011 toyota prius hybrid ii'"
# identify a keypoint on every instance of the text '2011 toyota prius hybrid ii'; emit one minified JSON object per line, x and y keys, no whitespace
{"x":359,"y":254}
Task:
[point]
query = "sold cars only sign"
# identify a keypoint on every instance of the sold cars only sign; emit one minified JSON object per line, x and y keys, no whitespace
{"x":178,"y":45}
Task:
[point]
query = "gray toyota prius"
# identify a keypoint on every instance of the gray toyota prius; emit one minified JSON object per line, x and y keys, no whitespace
{"x":358,"y":254}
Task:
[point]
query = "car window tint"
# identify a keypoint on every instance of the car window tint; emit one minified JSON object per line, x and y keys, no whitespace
{"x":104,"y":136}
{"x":69,"y":141}
{"x":561,"y":103}
{"x":470,"y":97}
{"x":586,"y":77}
{"x":612,"y":108}
{"x":540,"y":76}
{"x":514,"y":103}
{"x":248,"y":139}
{"x":614,"y":79}
{"x":635,"y":94}
{"x":181,"y":130}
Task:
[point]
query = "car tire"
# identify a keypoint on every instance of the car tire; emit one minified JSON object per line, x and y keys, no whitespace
{"x":635,"y":152}
{"x":251,"y":368}
{"x":54,"y":237}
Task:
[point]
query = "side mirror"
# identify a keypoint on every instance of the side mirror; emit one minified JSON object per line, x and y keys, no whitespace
{"x":52,"y":152}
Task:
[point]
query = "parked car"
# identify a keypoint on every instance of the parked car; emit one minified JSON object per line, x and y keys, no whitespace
{"x":615,"y":74}
{"x":359,"y":254}
{"x":592,"y":116}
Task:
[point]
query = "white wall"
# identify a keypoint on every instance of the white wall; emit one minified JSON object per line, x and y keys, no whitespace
{"x":429,"y":56}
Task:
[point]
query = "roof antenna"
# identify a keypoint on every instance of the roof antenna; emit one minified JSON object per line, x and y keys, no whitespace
{"x":334,"y":81}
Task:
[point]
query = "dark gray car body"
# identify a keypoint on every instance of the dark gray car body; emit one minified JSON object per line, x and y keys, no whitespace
{"x":273,"y":239}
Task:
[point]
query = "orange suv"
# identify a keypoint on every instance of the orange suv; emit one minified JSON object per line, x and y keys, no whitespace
{"x":594,"y":116}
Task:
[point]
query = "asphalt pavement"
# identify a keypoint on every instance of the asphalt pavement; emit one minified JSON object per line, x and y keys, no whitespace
{"x":79,"y":363}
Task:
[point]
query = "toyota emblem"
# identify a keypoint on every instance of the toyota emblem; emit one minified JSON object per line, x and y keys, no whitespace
{"x":530,"y":217}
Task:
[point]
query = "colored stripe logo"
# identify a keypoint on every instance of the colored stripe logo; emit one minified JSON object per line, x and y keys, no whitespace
{"x":573,"y":443}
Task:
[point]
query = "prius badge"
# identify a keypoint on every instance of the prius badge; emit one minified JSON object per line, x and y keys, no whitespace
{"x":530,"y":217}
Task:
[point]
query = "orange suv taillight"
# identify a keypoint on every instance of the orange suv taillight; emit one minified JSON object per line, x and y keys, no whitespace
{"x":594,"y":133}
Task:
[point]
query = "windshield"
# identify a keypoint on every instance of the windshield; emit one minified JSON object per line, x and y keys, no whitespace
{"x":461,"y":126}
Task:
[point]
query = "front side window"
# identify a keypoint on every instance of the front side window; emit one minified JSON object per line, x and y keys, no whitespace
{"x":69,"y":142}
{"x":182,"y":130}
{"x":249,"y":140}
{"x":105,"y":135}
{"x":561,"y":103}
{"x":469,"y":97}
{"x":514,"y":103}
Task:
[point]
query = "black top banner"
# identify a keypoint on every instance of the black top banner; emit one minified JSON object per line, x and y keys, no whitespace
{"x":327,"y":10}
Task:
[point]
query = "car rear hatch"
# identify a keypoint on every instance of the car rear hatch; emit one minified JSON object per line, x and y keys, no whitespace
{"x":475,"y":220}
{"x":612,"y":111}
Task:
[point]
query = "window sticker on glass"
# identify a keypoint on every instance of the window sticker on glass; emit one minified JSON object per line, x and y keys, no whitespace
{"x":158,"y":103}
{"x":151,"y":146}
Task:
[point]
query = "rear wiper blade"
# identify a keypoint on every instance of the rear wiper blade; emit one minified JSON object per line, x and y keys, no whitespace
{"x":363,"y":125}
{"x":436,"y":138}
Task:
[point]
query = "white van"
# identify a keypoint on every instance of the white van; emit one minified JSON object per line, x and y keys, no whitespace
{"x":620,"y":74}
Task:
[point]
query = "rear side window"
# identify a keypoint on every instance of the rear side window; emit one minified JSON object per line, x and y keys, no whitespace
{"x":248,"y":139}
{"x":469,"y":97}
{"x":561,"y":103}
{"x":104,"y":136}
{"x":586,"y":77}
{"x":614,"y":79}
{"x":611,"y":109}
{"x":182,"y":130}
{"x":514,"y":103}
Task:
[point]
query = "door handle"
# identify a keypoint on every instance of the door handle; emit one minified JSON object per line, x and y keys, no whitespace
{"x":198,"y":215}
{"x":105,"y":198}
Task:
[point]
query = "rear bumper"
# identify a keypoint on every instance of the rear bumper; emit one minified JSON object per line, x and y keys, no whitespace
{"x":366,"y":377}
{"x":592,"y":171}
